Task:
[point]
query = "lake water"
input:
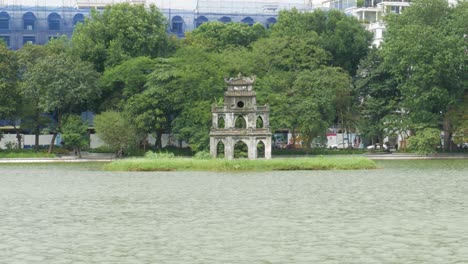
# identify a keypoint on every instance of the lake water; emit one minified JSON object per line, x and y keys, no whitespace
{"x":405,"y":212}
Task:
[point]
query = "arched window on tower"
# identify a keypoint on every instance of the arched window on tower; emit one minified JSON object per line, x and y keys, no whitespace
{"x":270,"y":21}
{"x":240,"y":122}
{"x":225,"y":19}
{"x":177,"y":26}
{"x":54,"y":21}
{"x":220,"y":149}
{"x":78,"y":18}
{"x":4,"y":21}
{"x":259,"y":122}
{"x":29,"y":21}
{"x":241,"y":150}
{"x":200,"y":20}
{"x":261,"y":150}
{"x":248,"y":20}
{"x":221,"y":122}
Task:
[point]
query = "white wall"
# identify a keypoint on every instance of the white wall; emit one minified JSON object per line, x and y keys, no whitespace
{"x":26,"y":140}
{"x":95,"y":141}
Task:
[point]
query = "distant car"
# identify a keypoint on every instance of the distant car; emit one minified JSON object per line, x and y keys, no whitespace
{"x":373,"y":147}
{"x":340,"y":146}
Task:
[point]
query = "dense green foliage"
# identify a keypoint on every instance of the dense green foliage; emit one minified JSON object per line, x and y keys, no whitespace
{"x":75,"y":134}
{"x":314,"y":70}
{"x":115,"y":130}
{"x":121,"y":32}
{"x":425,"y":51}
{"x":181,"y":164}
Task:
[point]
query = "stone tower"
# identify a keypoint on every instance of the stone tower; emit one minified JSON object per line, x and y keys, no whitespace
{"x":240,"y":120}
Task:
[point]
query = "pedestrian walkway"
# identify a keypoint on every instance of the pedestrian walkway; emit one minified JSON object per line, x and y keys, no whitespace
{"x":86,"y":157}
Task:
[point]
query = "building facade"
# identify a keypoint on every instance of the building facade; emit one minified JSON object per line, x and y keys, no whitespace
{"x":38,"y":24}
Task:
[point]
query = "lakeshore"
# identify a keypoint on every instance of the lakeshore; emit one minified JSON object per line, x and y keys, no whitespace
{"x":106,"y":157}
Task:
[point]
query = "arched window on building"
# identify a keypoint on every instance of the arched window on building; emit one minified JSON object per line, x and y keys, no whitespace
{"x":54,"y":21}
{"x":270,"y":21}
{"x":78,"y":18}
{"x":4,"y":21}
{"x":177,"y":25}
{"x":29,"y":21}
{"x":225,"y":19}
{"x":248,"y":20}
{"x":200,"y":20}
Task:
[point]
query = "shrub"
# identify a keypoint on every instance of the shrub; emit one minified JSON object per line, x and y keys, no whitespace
{"x":202,"y":155}
{"x":159,"y":155}
{"x":425,"y":141}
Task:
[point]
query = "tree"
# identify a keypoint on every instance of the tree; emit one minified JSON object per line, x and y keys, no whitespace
{"x":10,"y":99}
{"x":32,"y":116}
{"x":62,"y":85}
{"x":154,"y":109}
{"x":378,"y":98}
{"x":75,"y":134}
{"x":115,"y":130}
{"x":120,"y":32}
{"x":342,"y":36}
{"x":425,"y":141}
{"x":181,"y":90}
{"x":125,"y":80}
{"x":218,"y":36}
{"x":279,"y":61}
{"x":425,"y":49}
{"x":316,"y":98}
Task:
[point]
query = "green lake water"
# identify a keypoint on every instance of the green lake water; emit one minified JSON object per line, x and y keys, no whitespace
{"x":413,"y":211}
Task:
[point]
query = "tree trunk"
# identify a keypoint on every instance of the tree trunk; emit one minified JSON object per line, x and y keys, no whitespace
{"x":158,"y":143}
{"x":36,"y":138}
{"x":293,"y":134}
{"x":18,"y":137}
{"x":37,"y":130}
{"x":79,"y":152}
{"x":52,"y":143}
{"x":446,"y":128}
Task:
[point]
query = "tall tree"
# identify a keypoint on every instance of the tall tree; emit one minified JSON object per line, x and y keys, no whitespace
{"x":316,"y":98}
{"x":120,"y":32}
{"x":33,"y":118}
{"x":342,"y":36}
{"x":11,"y":103}
{"x":425,"y":49}
{"x":62,"y":85}
{"x":378,"y":99}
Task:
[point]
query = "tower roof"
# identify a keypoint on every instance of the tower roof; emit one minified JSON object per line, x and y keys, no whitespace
{"x":240,"y":80}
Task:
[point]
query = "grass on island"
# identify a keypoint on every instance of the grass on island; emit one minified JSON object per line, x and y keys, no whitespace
{"x":190,"y":164}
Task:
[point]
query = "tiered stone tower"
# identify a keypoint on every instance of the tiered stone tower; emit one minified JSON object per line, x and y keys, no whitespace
{"x":241,"y":120}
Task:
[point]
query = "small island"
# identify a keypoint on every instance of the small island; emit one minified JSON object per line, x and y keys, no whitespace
{"x":224,"y":165}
